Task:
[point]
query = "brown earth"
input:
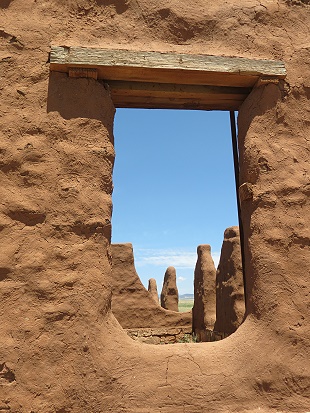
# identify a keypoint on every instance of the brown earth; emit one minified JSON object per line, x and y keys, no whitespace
{"x":61,"y":349}
{"x":229,"y":285}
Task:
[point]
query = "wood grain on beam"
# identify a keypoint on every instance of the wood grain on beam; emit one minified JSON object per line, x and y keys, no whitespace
{"x":166,"y":67}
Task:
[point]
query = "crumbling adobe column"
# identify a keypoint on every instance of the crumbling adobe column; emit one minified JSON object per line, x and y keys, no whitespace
{"x":152,"y":289}
{"x":229,"y":285}
{"x":169,"y":297}
{"x":204,"y":293}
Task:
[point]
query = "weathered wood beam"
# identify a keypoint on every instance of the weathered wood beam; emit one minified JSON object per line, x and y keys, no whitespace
{"x":145,"y":95}
{"x":123,"y":87}
{"x":190,"y":104}
{"x":166,"y":67}
{"x":168,"y":80}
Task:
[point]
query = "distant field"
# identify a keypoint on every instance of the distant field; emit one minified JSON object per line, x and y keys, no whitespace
{"x":185,"y":304}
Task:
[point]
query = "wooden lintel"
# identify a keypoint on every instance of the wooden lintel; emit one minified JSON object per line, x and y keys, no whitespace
{"x":123,"y":87}
{"x":156,"y":67}
{"x":83,"y":72}
{"x":163,"y":95}
{"x":190,"y":104}
{"x":153,"y":79}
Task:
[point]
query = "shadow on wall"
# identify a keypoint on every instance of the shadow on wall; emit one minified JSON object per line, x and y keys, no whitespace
{"x":67,"y":98}
{"x":120,"y":5}
{"x":4,"y":4}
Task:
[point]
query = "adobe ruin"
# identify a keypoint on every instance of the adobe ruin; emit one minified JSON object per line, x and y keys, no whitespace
{"x":136,"y":309}
{"x":152,"y":289}
{"x":61,"y":348}
{"x":218,"y":308}
{"x":204,"y":310}
{"x":230,"y":306}
{"x":169,"y":297}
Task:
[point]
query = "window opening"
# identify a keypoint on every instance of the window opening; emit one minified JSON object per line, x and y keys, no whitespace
{"x":173,"y":189}
{"x":153,"y":80}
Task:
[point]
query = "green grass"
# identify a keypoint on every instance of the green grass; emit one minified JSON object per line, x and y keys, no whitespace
{"x":187,"y":338}
{"x":185,"y":305}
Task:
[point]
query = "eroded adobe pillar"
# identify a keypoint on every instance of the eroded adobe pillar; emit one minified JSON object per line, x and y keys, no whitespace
{"x":204,"y":294}
{"x":229,"y":285}
{"x":152,"y":289}
{"x":169,"y":296}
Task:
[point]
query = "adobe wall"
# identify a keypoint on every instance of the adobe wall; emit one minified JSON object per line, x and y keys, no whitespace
{"x":132,"y":304}
{"x":61,"y":350}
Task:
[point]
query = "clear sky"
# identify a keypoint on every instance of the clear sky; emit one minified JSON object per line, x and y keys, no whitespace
{"x":174,"y":188}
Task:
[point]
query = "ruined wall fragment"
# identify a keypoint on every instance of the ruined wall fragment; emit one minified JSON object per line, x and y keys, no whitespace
{"x":169,"y":297}
{"x":132,"y":304}
{"x":204,"y":293}
{"x":152,"y":289}
{"x":229,"y":285}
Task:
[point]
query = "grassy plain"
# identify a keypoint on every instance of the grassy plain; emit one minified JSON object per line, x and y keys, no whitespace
{"x":185,"y":304}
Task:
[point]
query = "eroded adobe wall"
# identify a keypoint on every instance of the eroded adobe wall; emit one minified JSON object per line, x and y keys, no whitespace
{"x":132,"y":304}
{"x":169,"y":297}
{"x":61,"y":350}
{"x":204,"y":310}
{"x":230,"y":305}
{"x":152,"y":289}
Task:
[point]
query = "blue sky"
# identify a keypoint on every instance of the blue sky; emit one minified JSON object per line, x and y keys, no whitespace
{"x":173,"y":188}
